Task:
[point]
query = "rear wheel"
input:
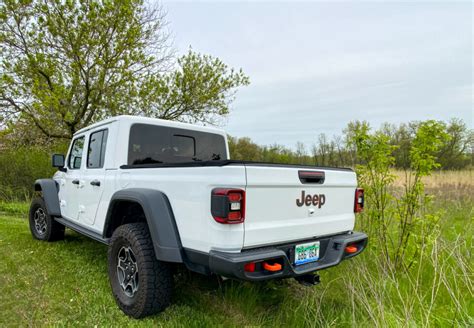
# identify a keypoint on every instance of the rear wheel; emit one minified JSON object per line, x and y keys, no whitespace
{"x":141,"y":284}
{"x":42,"y":225}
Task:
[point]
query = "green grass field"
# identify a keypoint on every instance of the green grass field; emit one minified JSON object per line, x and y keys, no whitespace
{"x":65,"y":283}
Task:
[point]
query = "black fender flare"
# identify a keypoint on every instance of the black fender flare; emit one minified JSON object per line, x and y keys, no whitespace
{"x":160,"y":219}
{"x":49,"y":188}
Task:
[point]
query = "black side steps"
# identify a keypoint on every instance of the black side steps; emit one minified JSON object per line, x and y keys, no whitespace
{"x":83,"y":231}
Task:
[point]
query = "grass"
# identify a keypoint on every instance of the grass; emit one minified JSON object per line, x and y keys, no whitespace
{"x":65,"y":283}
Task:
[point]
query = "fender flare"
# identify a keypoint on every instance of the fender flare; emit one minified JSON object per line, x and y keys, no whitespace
{"x":49,"y":188}
{"x":159,"y":217}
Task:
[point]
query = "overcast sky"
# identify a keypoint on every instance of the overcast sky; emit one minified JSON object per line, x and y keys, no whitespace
{"x":315,"y":66}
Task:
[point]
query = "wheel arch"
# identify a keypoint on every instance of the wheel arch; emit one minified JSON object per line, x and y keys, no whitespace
{"x":49,"y":189}
{"x":158,"y":215}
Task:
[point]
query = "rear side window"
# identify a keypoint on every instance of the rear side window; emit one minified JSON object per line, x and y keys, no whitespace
{"x":75,"y":157}
{"x":151,"y":144}
{"x":96,"y":150}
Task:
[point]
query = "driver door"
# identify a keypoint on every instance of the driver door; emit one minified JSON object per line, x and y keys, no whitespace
{"x":70,"y":185}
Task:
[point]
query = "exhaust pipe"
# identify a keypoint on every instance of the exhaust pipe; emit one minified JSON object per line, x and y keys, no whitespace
{"x":308,"y":279}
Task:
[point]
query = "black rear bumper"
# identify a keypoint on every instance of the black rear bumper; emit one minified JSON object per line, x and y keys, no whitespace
{"x":332,"y":252}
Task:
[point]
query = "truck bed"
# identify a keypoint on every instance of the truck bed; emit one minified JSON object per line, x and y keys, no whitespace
{"x":231,"y":162}
{"x":273,"y":192}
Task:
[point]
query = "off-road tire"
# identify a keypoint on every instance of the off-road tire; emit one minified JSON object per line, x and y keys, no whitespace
{"x":155,"y":279}
{"x":42,"y":225}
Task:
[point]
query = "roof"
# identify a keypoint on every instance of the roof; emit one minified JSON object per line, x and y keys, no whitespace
{"x":153,"y":121}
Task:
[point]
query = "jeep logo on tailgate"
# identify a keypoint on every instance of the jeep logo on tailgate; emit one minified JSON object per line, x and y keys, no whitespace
{"x":308,"y":200}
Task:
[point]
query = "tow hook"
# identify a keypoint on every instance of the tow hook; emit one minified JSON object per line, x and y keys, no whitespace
{"x":308,"y":279}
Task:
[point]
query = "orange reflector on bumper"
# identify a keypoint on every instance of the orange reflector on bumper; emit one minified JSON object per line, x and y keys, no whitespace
{"x":351,"y":249}
{"x":272,"y":267}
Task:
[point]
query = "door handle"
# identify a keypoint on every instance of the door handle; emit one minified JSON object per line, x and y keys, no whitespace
{"x":95,"y":183}
{"x":76,"y":181}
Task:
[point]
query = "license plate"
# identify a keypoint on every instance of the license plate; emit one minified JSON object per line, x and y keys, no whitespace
{"x":305,"y":253}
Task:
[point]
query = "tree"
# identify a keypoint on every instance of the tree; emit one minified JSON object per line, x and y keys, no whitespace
{"x":454,"y":153}
{"x":199,"y":90}
{"x":322,"y":150}
{"x":66,"y":64}
{"x":244,"y":149}
{"x":300,"y":153}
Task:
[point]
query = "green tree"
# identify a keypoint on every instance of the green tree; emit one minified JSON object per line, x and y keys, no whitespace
{"x":199,"y":90}
{"x":244,"y":149}
{"x":395,"y":218}
{"x":454,"y":153}
{"x":415,"y":227}
{"x":66,"y":64}
{"x":375,"y":160}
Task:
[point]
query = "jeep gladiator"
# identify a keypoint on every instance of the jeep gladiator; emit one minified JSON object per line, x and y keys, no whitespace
{"x":162,"y":194}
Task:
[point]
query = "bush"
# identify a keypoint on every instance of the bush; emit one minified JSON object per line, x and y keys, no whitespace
{"x":397,"y":219}
{"x":20,"y":168}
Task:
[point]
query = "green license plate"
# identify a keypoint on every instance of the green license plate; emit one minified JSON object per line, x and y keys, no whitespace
{"x":305,"y":253}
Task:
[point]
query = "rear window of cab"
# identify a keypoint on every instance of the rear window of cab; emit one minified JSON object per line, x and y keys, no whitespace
{"x":151,"y":144}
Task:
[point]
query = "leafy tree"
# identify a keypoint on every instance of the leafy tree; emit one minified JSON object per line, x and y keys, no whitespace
{"x":416,"y":228}
{"x":66,"y":64}
{"x":200,"y":89}
{"x":374,"y":174}
{"x":244,"y":149}
{"x":454,"y":153}
{"x":395,"y":218}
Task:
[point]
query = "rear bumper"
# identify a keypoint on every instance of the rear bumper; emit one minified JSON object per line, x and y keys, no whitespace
{"x":332,"y":252}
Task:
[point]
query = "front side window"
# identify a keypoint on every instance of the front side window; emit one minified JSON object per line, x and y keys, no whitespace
{"x":96,"y":150}
{"x":150,"y":144}
{"x":75,"y":157}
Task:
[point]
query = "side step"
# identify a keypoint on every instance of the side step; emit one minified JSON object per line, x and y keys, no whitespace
{"x":83,"y":231}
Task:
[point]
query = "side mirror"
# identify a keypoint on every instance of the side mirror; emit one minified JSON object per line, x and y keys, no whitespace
{"x":58,"y":161}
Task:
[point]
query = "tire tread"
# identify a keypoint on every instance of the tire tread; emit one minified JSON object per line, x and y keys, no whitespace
{"x":54,"y":231}
{"x":155,"y":278}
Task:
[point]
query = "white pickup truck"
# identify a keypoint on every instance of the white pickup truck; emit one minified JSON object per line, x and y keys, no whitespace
{"x":163,"y":193}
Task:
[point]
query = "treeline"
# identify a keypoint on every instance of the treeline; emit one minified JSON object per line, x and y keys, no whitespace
{"x":457,"y":151}
{"x":22,"y":163}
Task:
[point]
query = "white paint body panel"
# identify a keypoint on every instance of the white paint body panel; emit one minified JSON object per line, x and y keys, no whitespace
{"x":272,"y":215}
{"x":271,"y":212}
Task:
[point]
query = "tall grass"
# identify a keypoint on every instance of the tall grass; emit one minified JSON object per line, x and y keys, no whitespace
{"x":453,"y":185}
{"x":438,"y":292}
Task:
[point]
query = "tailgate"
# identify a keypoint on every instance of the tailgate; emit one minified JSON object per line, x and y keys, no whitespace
{"x":289,"y":203}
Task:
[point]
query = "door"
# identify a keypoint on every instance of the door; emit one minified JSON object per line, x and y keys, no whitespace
{"x":70,"y":186}
{"x":93,"y":174}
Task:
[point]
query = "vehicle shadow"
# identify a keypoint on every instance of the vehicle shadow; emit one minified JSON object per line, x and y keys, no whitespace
{"x":193,"y":289}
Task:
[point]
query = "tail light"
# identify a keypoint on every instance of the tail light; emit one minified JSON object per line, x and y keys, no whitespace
{"x":359,"y":200}
{"x":228,"y":205}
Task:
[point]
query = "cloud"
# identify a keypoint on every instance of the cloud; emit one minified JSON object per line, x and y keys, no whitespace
{"x":316,"y":66}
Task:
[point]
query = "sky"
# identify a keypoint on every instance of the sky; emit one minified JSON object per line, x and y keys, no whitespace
{"x":315,"y":66}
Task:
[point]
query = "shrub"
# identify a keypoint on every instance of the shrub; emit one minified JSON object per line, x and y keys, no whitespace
{"x":397,"y":220}
{"x":20,"y":168}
